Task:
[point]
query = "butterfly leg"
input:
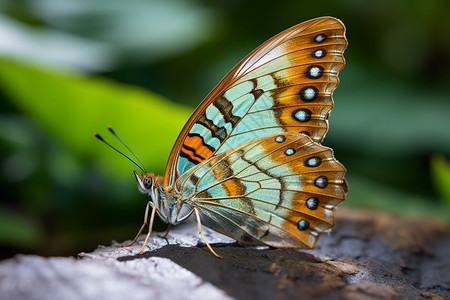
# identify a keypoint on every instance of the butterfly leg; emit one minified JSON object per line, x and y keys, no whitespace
{"x":150,"y":227}
{"x":201,"y":233}
{"x":167,"y":231}
{"x":142,"y":227}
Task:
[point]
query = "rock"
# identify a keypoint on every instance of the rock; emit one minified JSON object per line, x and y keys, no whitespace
{"x":366,"y":256}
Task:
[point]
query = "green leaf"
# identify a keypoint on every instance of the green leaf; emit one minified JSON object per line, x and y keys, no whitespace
{"x":440,"y":175}
{"x":71,"y":107}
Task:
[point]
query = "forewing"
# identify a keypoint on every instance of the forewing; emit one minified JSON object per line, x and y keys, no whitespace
{"x":279,"y":190}
{"x":285,"y":85}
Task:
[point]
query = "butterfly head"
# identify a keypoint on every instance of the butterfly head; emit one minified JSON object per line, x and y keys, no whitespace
{"x":146,"y":182}
{"x":151,"y":185}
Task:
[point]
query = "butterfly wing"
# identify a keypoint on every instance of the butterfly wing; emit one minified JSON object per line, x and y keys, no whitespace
{"x":279,"y":190}
{"x":284,"y":85}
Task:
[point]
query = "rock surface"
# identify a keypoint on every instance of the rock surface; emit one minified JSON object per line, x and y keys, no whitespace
{"x":366,"y":256}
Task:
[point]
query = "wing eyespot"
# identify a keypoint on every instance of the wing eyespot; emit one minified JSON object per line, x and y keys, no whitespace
{"x":289,"y":152}
{"x":319,"y":53}
{"x":302,"y":115}
{"x":321,"y":182}
{"x":320,"y":38}
{"x":314,"y":161}
{"x":314,"y":72}
{"x":312,"y":203}
{"x":308,"y":93}
{"x":280,"y":139}
{"x":302,"y":225}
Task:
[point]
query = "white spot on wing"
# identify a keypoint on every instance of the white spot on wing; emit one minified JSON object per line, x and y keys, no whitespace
{"x":314,"y":72}
{"x":318,"y":53}
{"x":309,"y":93}
{"x":301,"y":115}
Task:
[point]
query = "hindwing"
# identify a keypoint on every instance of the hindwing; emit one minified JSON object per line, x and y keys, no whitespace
{"x":280,"y":190}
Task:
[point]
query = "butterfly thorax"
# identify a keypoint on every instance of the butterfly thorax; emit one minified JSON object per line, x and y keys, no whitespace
{"x":169,"y":207}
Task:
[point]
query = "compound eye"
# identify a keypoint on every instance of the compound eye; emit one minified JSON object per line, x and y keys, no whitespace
{"x":148,"y":182}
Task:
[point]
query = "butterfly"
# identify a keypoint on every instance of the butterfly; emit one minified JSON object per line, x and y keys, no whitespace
{"x":249,"y":162}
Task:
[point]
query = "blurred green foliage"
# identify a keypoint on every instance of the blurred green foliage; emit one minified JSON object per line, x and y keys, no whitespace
{"x":70,"y":68}
{"x":440,"y":172}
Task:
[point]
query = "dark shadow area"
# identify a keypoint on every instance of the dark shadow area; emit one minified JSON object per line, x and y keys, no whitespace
{"x":248,"y":273}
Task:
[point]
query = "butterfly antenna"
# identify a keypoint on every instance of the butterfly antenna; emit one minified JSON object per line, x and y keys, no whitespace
{"x":115,"y":134}
{"x":120,"y":152}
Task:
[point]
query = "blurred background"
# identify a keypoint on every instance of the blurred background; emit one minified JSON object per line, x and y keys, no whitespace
{"x":69,"y":68}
